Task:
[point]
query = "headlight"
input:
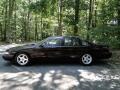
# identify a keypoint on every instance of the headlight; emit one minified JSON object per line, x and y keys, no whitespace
{"x":12,"y":52}
{"x":9,"y":52}
{"x":6,"y":52}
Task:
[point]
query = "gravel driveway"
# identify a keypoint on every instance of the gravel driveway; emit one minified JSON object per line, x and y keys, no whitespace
{"x":104,"y":75}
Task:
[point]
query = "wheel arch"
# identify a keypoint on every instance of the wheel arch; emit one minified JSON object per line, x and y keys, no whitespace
{"x":88,"y":52}
{"x":19,"y":52}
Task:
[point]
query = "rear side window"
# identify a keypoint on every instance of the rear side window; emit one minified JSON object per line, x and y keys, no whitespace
{"x":55,"y":42}
{"x":85,"y":43}
{"x":69,"y":41}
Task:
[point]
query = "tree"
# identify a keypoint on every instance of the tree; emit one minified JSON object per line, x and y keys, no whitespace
{"x":90,"y":18}
{"x":77,"y":3}
{"x":118,"y":12}
{"x":28,"y":20}
{"x":60,"y":2}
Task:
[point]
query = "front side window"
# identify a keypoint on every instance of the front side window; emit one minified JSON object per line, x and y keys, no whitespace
{"x":67,"y":41}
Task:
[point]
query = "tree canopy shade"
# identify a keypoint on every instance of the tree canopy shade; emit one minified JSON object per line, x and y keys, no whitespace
{"x":33,"y":20}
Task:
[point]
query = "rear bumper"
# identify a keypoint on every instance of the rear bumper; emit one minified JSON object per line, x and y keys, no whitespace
{"x":8,"y":57}
{"x":106,"y":55}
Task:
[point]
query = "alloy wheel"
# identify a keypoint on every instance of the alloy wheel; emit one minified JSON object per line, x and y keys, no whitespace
{"x":22,"y":59}
{"x":87,"y":59}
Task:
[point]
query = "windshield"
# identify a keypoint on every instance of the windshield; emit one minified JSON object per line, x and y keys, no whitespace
{"x":42,"y":41}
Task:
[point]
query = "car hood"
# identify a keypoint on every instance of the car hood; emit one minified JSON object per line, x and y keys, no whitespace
{"x":25,"y":46}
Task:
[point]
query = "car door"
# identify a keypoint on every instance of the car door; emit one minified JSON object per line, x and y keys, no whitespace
{"x":72,"y":47}
{"x":52,"y":47}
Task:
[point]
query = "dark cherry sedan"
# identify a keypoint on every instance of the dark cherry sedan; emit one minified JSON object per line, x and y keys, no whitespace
{"x":58,"y":47}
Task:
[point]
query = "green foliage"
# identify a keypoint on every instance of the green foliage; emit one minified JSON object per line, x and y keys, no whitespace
{"x":39,"y":7}
{"x":29,"y":20}
{"x":107,"y":35}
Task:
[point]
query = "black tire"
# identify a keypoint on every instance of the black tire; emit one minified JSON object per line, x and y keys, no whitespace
{"x":25,"y":62}
{"x":87,"y":59}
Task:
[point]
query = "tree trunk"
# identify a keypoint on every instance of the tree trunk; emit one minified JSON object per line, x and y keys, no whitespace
{"x":41,"y":27}
{"x":89,"y":19}
{"x":25,"y":28}
{"x":5,"y":22}
{"x":118,"y":17}
{"x":59,"y":32}
{"x":77,"y":2}
{"x":118,"y":11}
{"x":10,"y":16}
{"x":94,"y":19}
{"x":36,"y":28}
{"x":28,"y":20}
{"x":15,"y":17}
{"x":0,"y":32}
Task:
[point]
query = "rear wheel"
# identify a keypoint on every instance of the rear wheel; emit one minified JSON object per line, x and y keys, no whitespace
{"x":22,"y":59}
{"x":86,"y":59}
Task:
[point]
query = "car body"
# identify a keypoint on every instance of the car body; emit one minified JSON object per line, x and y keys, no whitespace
{"x":58,"y":47}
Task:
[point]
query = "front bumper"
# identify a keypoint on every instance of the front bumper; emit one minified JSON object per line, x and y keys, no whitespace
{"x":8,"y":57}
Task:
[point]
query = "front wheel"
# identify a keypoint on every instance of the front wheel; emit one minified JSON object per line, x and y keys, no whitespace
{"x":22,"y":59}
{"x":86,"y":59}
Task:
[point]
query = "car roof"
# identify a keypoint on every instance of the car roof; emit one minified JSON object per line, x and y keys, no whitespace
{"x":64,"y":36}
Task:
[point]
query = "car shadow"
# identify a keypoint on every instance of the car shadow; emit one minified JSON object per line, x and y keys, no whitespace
{"x":66,"y":62}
